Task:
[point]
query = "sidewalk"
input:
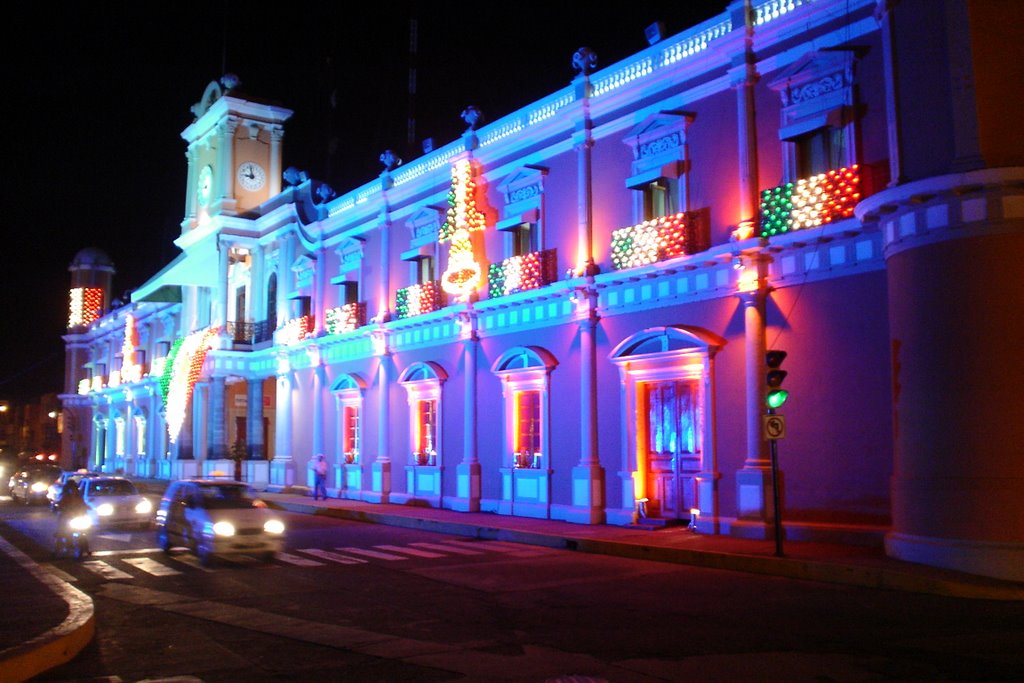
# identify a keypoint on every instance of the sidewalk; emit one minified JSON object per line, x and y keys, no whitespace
{"x":62,"y":617}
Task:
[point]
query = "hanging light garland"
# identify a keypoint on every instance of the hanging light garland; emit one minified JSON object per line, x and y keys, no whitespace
{"x":345,"y":318}
{"x":520,"y":273}
{"x":86,"y":304}
{"x":418,"y":299}
{"x":295,"y":330}
{"x":810,"y":202}
{"x":184,"y":364}
{"x":654,"y":240}
{"x":464,"y":273}
{"x":130,"y":370}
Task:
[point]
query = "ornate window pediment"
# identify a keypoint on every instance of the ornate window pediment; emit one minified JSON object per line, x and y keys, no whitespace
{"x":523,"y":193}
{"x":659,"y":144}
{"x":424,"y":226}
{"x":818,"y":114}
{"x":303,"y":267}
{"x":350,"y":254}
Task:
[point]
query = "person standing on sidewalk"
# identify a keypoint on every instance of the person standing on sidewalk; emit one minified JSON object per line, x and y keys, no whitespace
{"x":320,"y":477}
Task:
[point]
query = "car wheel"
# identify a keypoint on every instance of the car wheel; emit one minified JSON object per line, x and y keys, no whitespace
{"x":81,"y":548}
{"x":60,"y":546}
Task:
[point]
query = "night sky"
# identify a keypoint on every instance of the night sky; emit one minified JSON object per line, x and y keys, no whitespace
{"x":97,"y":95}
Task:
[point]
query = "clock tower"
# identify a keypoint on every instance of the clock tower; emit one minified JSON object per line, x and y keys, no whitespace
{"x":234,"y":153}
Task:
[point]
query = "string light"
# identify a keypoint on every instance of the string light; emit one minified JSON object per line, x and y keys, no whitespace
{"x":345,"y":318}
{"x":184,"y":364}
{"x":463,"y":273}
{"x":130,"y":370}
{"x":520,"y":273}
{"x":418,"y":299}
{"x":295,"y":330}
{"x":86,"y":304}
{"x":810,"y":202}
{"x":655,"y":240}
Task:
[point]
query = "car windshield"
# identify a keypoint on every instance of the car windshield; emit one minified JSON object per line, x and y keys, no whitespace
{"x":113,"y":487}
{"x":225,"y":498}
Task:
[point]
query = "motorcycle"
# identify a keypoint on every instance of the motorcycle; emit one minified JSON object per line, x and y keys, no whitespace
{"x":72,"y":537}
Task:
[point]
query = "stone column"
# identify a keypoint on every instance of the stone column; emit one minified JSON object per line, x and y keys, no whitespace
{"x":744,"y":77}
{"x":216,"y":446}
{"x":585,"y":61}
{"x":588,"y":475}
{"x":380,"y":472}
{"x":754,"y":481}
{"x":319,"y":383}
{"x":254,"y":420}
{"x":468,"y":472}
{"x":282,"y":468}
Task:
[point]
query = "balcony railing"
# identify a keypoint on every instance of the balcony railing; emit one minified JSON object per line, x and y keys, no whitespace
{"x":249,"y":333}
{"x":810,"y":202}
{"x":659,"y":239}
{"x":419,"y":299}
{"x":520,"y":273}
{"x":345,"y":318}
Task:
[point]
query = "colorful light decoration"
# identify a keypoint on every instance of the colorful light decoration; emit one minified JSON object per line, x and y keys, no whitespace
{"x":655,"y":240}
{"x":184,"y":363}
{"x":345,"y":318}
{"x":463,"y":273}
{"x":418,"y":299}
{"x":520,"y":273}
{"x":86,"y":303}
{"x":130,"y":370}
{"x":295,"y":330}
{"x":84,"y":385}
{"x":810,"y":202}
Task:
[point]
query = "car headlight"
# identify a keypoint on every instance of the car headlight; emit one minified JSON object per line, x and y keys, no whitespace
{"x":105,"y":510}
{"x":224,"y":529}
{"x":144,"y":507}
{"x":80,"y":523}
{"x":38,"y":487}
{"x":273,"y":526}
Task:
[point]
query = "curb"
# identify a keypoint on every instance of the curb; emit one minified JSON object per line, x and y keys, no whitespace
{"x":865,"y":576}
{"x":60,"y":644}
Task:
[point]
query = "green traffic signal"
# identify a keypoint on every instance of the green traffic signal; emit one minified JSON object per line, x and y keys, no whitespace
{"x":776,"y":397}
{"x":774,"y":377}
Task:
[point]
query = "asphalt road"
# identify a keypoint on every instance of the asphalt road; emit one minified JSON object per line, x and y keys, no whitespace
{"x":362,"y":602}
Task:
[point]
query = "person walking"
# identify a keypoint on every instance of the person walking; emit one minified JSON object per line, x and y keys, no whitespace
{"x":320,"y":477}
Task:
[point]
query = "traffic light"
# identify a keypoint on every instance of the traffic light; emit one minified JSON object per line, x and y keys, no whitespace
{"x":776,"y":396}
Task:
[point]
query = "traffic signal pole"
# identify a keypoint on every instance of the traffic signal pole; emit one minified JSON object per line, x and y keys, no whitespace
{"x":776,"y":508}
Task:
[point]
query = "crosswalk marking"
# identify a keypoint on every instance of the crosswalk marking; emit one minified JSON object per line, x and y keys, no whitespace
{"x":105,"y":570}
{"x":366,"y":552}
{"x":190,"y":560}
{"x":408,"y":551}
{"x":447,"y":548}
{"x":62,"y":575}
{"x":333,"y":557}
{"x":298,"y":561}
{"x":512,"y":549}
{"x":151,"y":566}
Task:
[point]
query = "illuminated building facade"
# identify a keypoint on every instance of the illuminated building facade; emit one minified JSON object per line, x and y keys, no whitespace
{"x":565,"y":313}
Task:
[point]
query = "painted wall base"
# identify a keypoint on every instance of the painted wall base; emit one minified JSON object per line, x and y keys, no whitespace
{"x":998,"y":560}
{"x":282,"y":472}
{"x":587,"y":495}
{"x":754,"y":494}
{"x":467,"y":488}
{"x":380,"y":483}
{"x":350,"y":481}
{"x":184,"y":469}
{"x":219,"y":468}
{"x":257,"y":473}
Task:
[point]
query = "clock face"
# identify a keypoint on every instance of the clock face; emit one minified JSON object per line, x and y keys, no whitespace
{"x":205,"y":185}
{"x":251,"y":176}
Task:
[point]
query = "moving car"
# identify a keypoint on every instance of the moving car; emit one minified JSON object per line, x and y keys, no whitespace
{"x":31,"y":481}
{"x":217,"y":517}
{"x":115,"y":502}
{"x":56,"y":490}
